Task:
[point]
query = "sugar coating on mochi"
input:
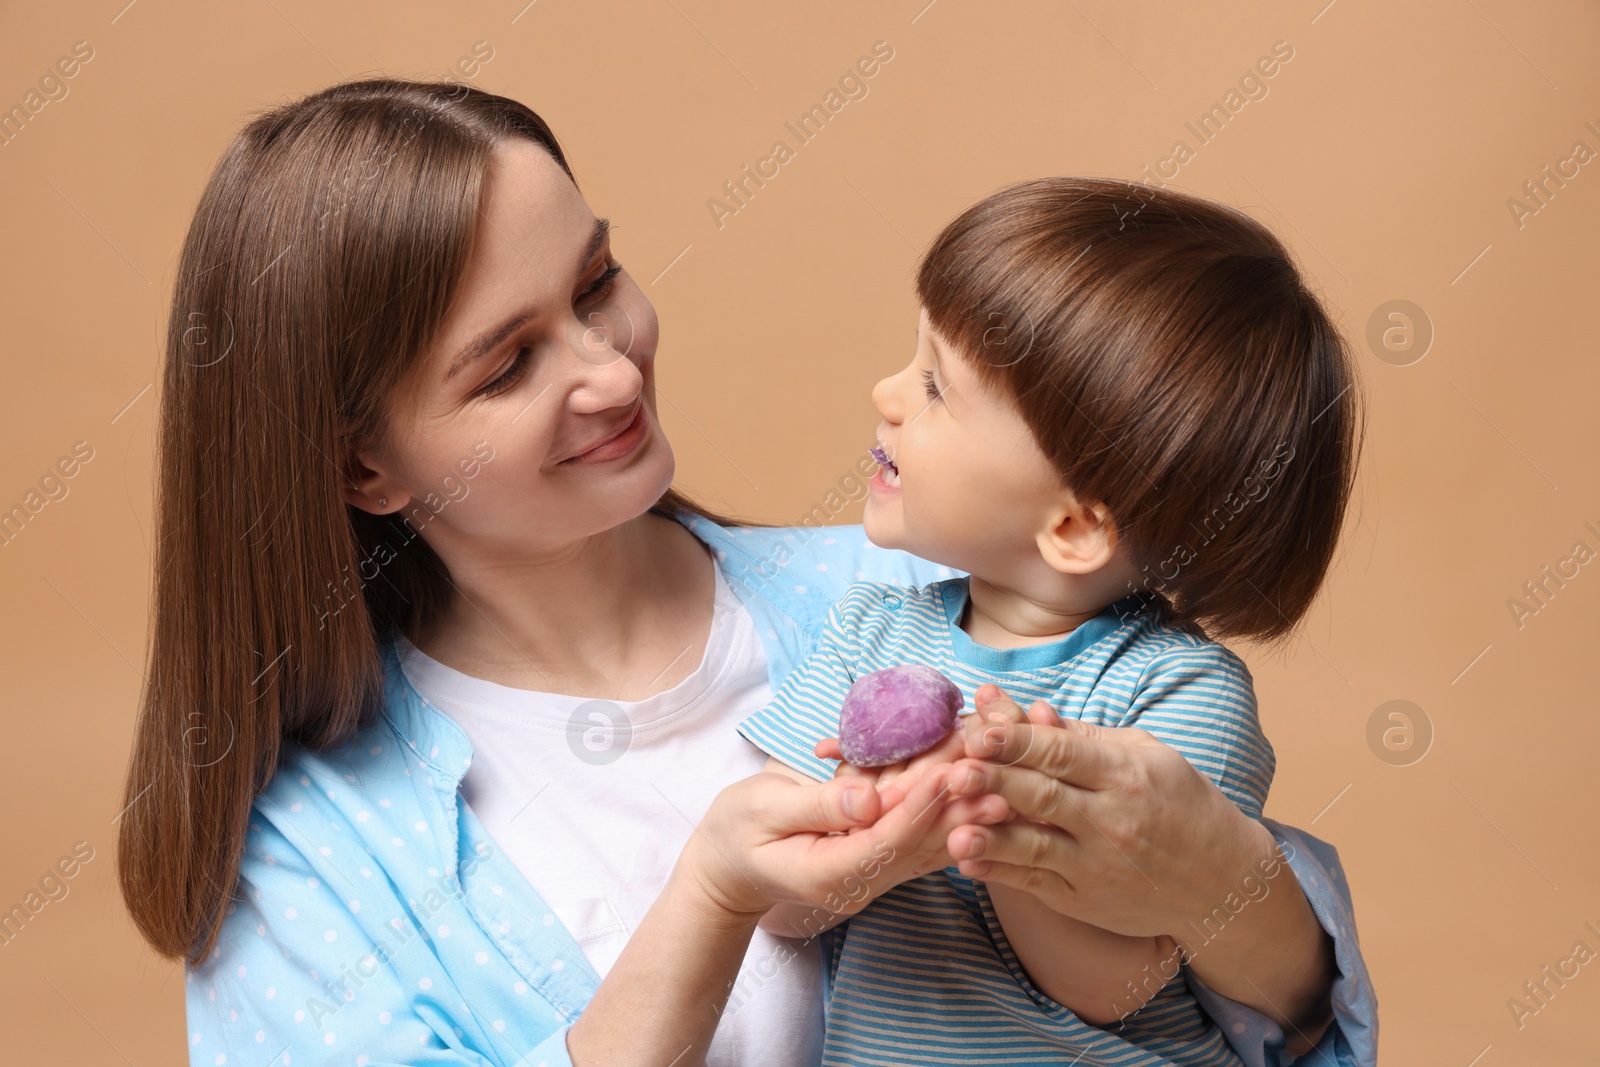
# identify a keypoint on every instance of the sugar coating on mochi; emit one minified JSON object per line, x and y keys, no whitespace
{"x":896,"y":713}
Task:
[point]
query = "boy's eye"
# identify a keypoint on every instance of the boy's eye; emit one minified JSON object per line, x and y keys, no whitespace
{"x":929,"y":387}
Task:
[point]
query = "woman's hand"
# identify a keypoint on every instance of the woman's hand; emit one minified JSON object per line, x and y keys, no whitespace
{"x":771,"y":839}
{"x":1118,"y":830}
{"x":766,"y":840}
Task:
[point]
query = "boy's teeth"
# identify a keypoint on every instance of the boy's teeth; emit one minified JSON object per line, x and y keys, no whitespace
{"x":891,"y":477}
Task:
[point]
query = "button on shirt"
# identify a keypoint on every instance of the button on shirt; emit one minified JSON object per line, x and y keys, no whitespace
{"x":376,"y":922}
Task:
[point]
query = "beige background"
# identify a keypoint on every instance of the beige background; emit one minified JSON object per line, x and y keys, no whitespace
{"x":1385,"y":152}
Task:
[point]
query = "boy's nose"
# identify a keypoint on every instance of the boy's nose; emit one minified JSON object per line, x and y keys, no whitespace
{"x":884,"y":398}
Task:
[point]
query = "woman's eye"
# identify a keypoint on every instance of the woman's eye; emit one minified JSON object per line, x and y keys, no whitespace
{"x":929,"y":387}
{"x":596,"y":291}
{"x":510,"y":377}
{"x":601,"y":287}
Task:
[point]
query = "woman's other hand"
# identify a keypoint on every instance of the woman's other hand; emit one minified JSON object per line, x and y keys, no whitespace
{"x":1118,"y":830}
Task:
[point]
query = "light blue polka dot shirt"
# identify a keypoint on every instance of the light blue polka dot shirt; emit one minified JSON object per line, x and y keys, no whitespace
{"x":376,"y":923}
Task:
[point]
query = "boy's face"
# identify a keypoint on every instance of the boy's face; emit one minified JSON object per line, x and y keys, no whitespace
{"x":975,"y":490}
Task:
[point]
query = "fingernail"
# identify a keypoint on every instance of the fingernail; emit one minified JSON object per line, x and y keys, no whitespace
{"x":855,"y":804}
{"x":976,"y":847}
{"x":974,"y":779}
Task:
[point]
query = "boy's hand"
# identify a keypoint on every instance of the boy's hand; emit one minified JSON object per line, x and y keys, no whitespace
{"x":925,"y":813}
{"x":940,"y":810}
{"x":904,"y":775}
{"x":993,"y":709}
{"x":896,"y":781}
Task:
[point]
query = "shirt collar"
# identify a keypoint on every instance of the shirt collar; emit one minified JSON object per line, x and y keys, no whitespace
{"x":954,"y":594}
{"x":429,"y":732}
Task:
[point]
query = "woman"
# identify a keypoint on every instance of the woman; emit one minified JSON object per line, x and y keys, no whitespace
{"x":418,"y":549}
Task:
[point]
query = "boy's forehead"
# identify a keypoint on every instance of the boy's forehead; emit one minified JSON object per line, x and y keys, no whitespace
{"x":936,"y":344}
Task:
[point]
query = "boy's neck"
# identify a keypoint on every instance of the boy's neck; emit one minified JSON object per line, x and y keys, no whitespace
{"x":1006,"y":618}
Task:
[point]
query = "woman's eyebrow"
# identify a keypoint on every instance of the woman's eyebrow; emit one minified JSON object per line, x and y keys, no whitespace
{"x":490,"y":339}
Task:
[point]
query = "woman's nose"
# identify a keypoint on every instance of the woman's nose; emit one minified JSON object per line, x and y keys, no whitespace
{"x":601,"y":337}
{"x":608,"y":377}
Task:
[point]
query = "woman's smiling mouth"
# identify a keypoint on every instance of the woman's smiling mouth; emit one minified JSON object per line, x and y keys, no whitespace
{"x":619,"y":443}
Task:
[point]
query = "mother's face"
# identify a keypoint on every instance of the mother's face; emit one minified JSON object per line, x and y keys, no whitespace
{"x":545,"y":365}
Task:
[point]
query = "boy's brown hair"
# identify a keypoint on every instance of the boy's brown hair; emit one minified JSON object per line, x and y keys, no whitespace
{"x":1175,"y":368}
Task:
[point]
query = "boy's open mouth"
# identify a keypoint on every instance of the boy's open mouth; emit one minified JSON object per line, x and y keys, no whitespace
{"x":891,"y":473}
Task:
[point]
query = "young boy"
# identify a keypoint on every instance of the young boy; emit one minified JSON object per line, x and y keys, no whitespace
{"x":1133,"y":427}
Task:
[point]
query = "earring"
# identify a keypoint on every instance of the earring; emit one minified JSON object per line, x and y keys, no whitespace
{"x":383,"y":501}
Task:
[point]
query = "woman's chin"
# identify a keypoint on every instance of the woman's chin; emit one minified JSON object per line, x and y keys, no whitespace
{"x":656,"y":471}
{"x":628,"y":494}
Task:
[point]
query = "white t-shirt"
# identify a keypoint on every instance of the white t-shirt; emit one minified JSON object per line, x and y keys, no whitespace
{"x":593,"y":800}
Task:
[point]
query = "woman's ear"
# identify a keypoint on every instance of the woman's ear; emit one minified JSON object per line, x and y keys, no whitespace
{"x":370,"y":489}
{"x":1078,"y":538}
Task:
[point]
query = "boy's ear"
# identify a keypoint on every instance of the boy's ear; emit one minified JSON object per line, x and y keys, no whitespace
{"x":1078,"y":538}
{"x":368,"y":489}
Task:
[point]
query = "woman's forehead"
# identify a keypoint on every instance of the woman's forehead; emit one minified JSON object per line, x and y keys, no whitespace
{"x":535,"y":236}
{"x":532,"y":221}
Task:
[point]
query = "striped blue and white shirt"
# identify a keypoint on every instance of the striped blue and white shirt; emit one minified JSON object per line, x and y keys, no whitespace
{"x":926,"y":970}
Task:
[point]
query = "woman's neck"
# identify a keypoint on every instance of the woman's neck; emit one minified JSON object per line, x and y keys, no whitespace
{"x":620,"y":615}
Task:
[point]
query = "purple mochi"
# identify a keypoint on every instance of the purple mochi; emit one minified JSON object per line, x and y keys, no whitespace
{"x":896,"y":713}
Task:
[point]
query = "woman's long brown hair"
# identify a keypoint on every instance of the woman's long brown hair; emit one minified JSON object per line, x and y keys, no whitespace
{"x":323,"y":255}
